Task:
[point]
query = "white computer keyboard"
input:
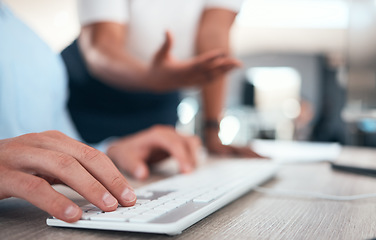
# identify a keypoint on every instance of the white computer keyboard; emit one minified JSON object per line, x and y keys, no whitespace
{"x":172,"y":205}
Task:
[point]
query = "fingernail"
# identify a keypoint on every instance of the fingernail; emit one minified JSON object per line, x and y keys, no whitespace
{"x":187,"y":168}
{"x":109,"y":200}
{"x":140,"y":172}
{"x":128,"y":195}
{"x":71,"y":211}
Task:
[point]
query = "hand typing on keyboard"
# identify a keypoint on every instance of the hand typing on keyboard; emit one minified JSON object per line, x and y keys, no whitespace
{"x":31,"y":162}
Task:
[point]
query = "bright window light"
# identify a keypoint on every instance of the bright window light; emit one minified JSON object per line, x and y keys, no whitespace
{"x":322,"y":14}
{"x":229,"y":128}
{"x":273,"y":78}
{"x":187,"y":110}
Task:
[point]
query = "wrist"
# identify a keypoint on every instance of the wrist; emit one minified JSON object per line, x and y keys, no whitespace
{"x":211,"y":125}
{"x":210,"y":132}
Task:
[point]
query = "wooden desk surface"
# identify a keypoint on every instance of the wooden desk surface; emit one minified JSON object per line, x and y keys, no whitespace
{"x":254,"y":216}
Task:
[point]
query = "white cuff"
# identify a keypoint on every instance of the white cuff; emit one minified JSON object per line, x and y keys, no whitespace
{"x":91,"y":11}
{"x":233,"y":5}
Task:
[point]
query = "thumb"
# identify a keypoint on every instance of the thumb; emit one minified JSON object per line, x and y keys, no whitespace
{"x":164,"y":51}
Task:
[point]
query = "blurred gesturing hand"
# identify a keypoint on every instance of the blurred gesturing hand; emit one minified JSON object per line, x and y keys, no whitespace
{"x":31,"y":162}
{"x":134,"y":153}
{"x":166,"y":73}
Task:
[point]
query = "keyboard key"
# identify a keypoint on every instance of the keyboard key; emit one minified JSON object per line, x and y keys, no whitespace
{"x":178,"y":203}
{"x":90,"y":207}
{"x":155,"y":212}
{"x":167,"y":207}
{"x":144,"y":194}
{"x":153,"y":204}
{"x":136,"y":211}
{"x":128,"y":215}
{"x":143,"y":207}
{"x":142,"y":218}
{"x":110,"y":217}
{"x":204,"y":199}
{"x":208,"y":197}
{"x":88,"y":215}
{"x":123,"y":209}
{"x":142,"y":201}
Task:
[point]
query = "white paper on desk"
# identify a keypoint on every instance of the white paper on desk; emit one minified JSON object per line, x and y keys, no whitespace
{"x":296,"y":152}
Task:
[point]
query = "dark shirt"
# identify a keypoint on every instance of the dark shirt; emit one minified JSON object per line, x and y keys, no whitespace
{"x":100,"y":111}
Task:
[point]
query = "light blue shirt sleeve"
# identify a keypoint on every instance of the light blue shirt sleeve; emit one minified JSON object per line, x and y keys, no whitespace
{"x":33,"y":82}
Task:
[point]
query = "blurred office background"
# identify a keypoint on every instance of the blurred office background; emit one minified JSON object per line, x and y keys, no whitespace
{"x":308,"y":74}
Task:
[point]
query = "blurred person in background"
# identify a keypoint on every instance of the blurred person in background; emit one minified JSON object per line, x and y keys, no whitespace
{"x":132,"y":58}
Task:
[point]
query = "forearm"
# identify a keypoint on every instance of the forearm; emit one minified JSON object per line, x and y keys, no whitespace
{"x":214,"y":35}
{"x":213,"y":96}
{"x":102,"y":46}
{"x":213,"y":99}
